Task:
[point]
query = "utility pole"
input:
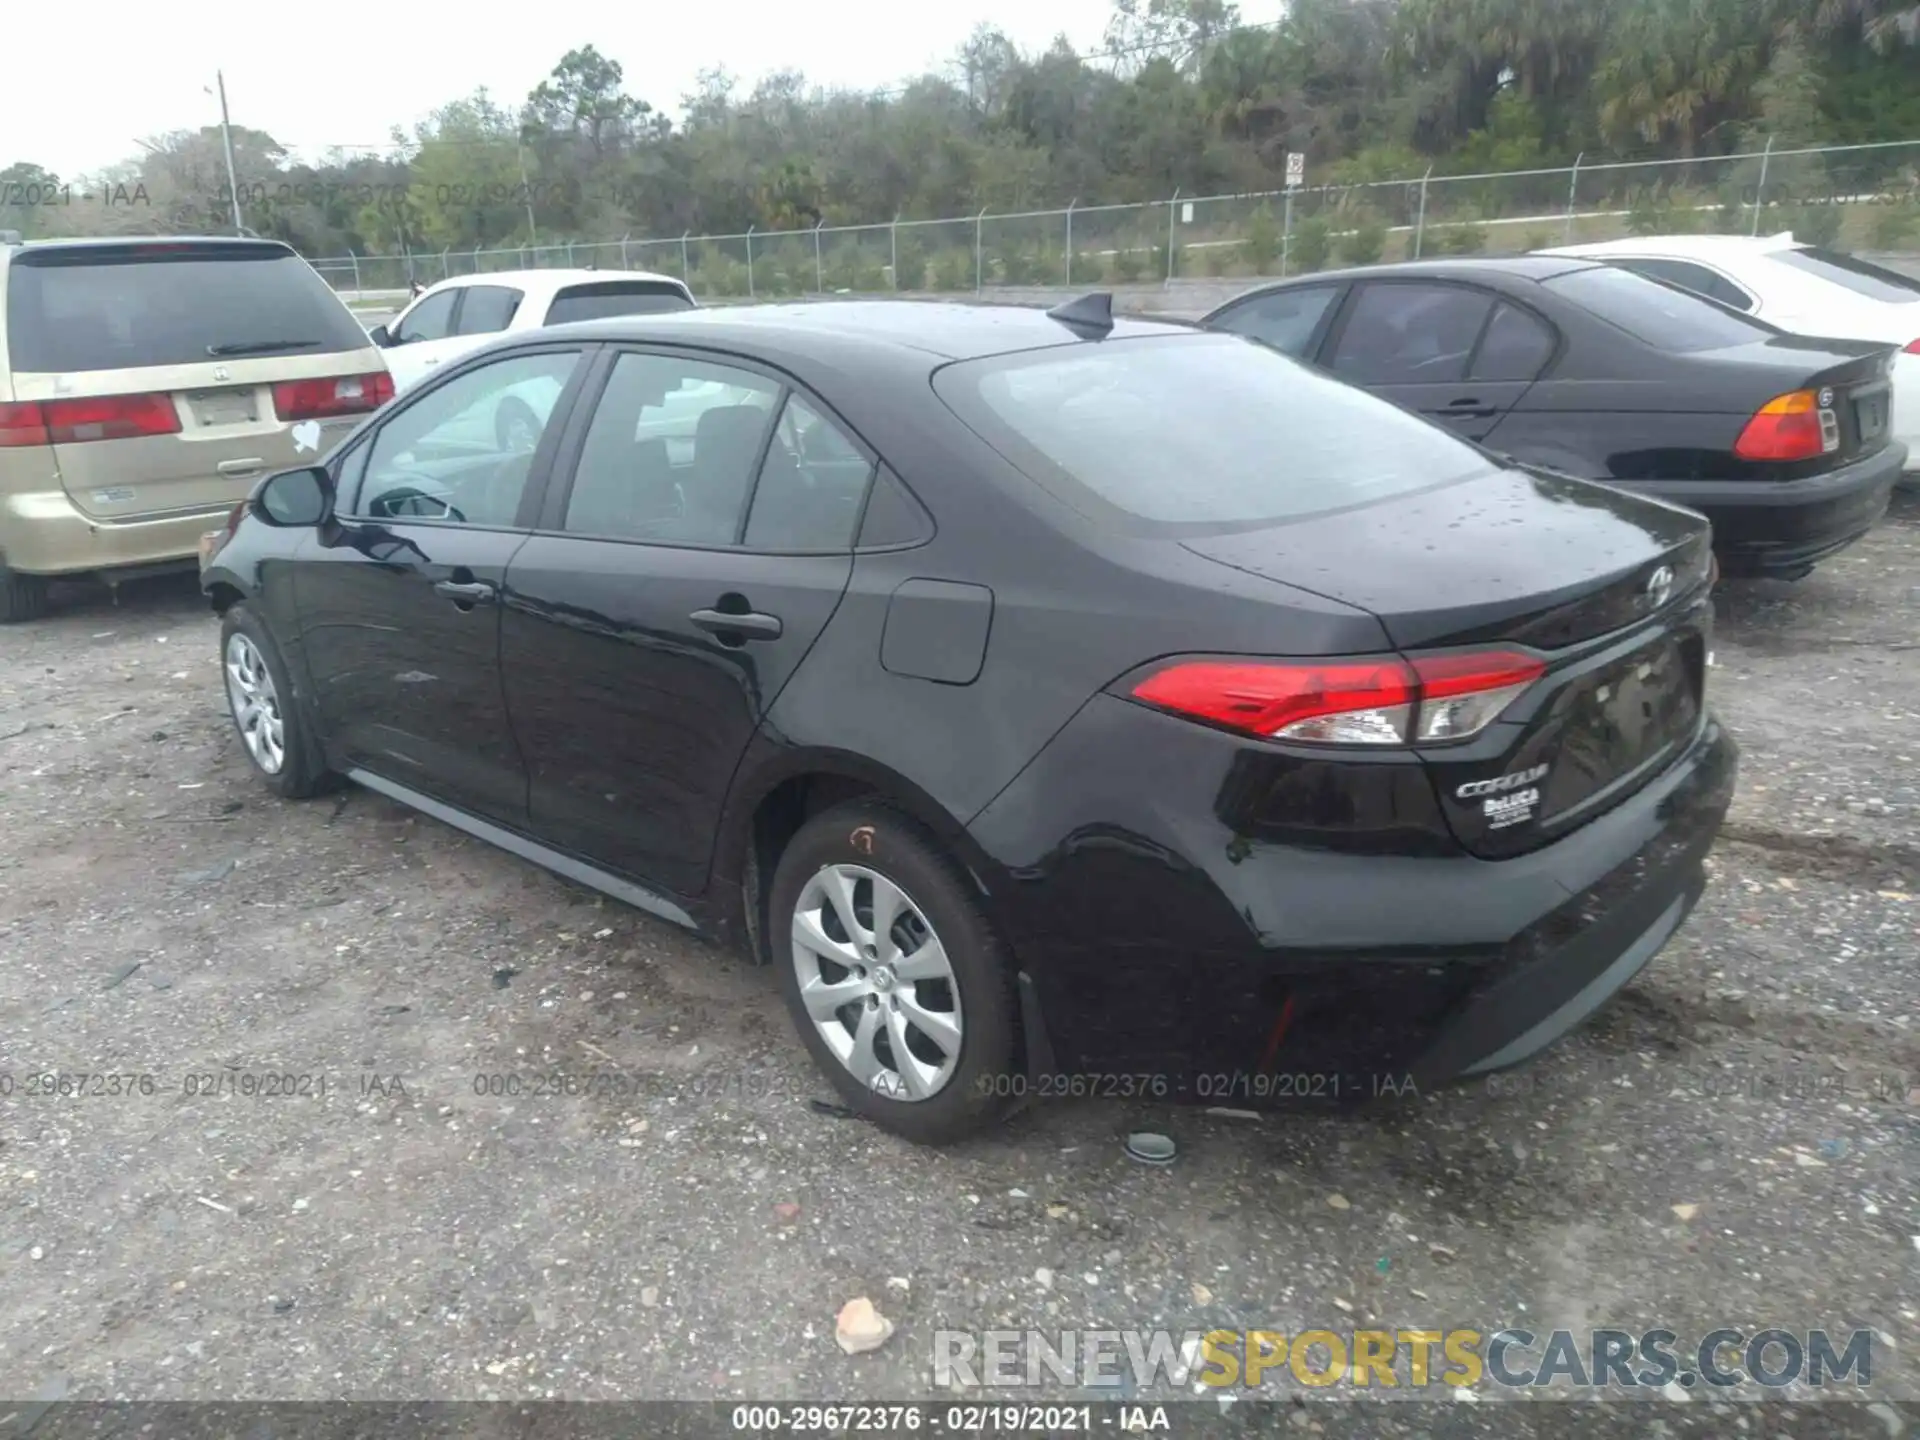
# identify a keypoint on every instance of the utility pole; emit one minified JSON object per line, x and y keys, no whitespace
{"x":526,"y":193}
{"x":226,"y":141}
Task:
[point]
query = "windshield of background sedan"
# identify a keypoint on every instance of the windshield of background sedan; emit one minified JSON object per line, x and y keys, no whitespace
{"x":1197,"y":431}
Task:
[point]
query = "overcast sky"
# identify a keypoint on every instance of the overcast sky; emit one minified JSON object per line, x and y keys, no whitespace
{"x":315,"y":76}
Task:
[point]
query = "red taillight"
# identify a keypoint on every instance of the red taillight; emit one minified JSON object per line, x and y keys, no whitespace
{"x":1913,"y":347}
{"x":109,"y":417}
{"x":1346,"y":702}
{"x":1789,"y":427}
{"x":335,"y":395}
{"x":22,"y":425}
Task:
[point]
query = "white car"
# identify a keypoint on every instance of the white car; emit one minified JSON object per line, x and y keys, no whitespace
{"x":467,"y":311}
{"x":1800,"y":288}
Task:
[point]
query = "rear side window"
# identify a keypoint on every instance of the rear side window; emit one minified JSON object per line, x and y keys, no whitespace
{"x":1665,"y":318}
{"x":1287,"y":319}
{"x":1876,"y":282}
{"x":1406,"y":334}
{"x":1197,"y":432}
{"x":487,"y":309}
{"x":125,"y":307}
{"x":606,"y":298}
{"x":1515,"y":347}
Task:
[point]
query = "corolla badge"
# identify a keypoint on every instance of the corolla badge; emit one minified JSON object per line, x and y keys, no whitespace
{"x":1501,"y":784}
{"x":1659,"y":587}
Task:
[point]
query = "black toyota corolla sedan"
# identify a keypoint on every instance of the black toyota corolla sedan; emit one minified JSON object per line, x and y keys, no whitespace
{"x":1058,"y":704}
{"x":1780,"y":440}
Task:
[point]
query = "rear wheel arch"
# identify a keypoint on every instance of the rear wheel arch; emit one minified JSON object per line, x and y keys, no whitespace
{"x":768,"y":811}
{"x":223,"y":596}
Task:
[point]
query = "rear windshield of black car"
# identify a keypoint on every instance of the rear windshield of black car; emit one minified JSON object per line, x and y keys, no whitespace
{"x":1197,"y":431}
{"x":1663,"y":316}
{"x":1863,"y":277}
{"x":125,"y":307}
{"x":607,"y":298}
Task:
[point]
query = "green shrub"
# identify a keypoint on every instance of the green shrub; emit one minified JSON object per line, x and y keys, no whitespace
{"x":1892,"y":226}
{"x":1124,"y":265}
{"x":1261,"y":246}
{"x":1312,"y":246}
{"x":1730,"y":217}
{"x":1086,"y":267}
{"x":1365,"y":243}
{"x":1217,"y":260}
{"x":1467,"y":239}
{"x":1535,"y":240}
{"x":909,"y":265}
{"x":952,"y":270}
{"x":1815,"y":224}
{"x":1646,"y":215}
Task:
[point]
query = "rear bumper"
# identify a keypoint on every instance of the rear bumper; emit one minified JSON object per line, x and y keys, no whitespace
{"x":41,"y":533}
{"x":1763,"y":528}
{"x":1162,"y":944}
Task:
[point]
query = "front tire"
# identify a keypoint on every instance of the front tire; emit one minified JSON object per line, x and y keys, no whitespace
{"x":273,"y":729}
{"x":894,"y":975}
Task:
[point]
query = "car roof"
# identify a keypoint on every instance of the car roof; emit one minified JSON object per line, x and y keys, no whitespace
{"x":947,"y":330}
{"x":1488,"y":268}
{"x":156,"y":242}
{"x":1706,"y":247}
{"x":554,"y":279}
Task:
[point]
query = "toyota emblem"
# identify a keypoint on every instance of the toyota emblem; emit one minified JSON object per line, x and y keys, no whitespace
{"x":1659,"y":587}
{"x":220,"y":372}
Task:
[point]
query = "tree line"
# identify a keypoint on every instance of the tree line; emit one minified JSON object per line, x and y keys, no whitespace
{"x":1185,"y":94}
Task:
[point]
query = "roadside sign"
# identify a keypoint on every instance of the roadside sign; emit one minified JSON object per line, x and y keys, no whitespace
{"x":1296,"y":169}
{"x":1186,"y":213}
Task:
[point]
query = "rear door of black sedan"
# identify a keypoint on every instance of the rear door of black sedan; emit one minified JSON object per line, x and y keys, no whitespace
{"x":1457,"y":353}
{"x":694,"y":542}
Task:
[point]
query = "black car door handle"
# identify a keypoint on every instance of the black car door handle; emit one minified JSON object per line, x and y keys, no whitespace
{"x":1468,"y":409}
{"x":465,"y":592}
{"x":753,"y":625}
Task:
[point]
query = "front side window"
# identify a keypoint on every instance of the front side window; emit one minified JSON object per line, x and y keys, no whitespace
{"x":458,"y":452}
{"x":431,"y":319}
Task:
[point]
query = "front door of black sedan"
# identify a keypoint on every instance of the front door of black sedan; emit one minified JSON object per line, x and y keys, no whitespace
{"x":697,"y":539}
{"x":1455,"y":353}
{"x":400,"y":620}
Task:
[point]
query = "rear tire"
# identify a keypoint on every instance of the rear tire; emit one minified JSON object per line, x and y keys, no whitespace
{"x":22,"y":597}
{"x":273,"y":729}
{"x":937,"y":983}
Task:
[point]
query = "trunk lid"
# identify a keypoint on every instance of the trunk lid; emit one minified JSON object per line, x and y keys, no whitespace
{"x":1608,"y":589}
{"x":197,"y":334}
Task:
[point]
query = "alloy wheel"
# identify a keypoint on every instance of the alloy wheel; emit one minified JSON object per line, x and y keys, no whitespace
{"x":876,"y":982}
{"x":256,"y":704}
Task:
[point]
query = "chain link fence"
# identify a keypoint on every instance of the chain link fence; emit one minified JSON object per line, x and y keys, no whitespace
{"x":1855,"y":197}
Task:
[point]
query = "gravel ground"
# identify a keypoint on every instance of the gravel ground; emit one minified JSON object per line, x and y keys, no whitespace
{"x":1731,"y":1143}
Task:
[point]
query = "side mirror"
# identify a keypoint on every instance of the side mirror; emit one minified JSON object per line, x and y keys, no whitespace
{"x":294,"y":499}
{"x":380,"y":336}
